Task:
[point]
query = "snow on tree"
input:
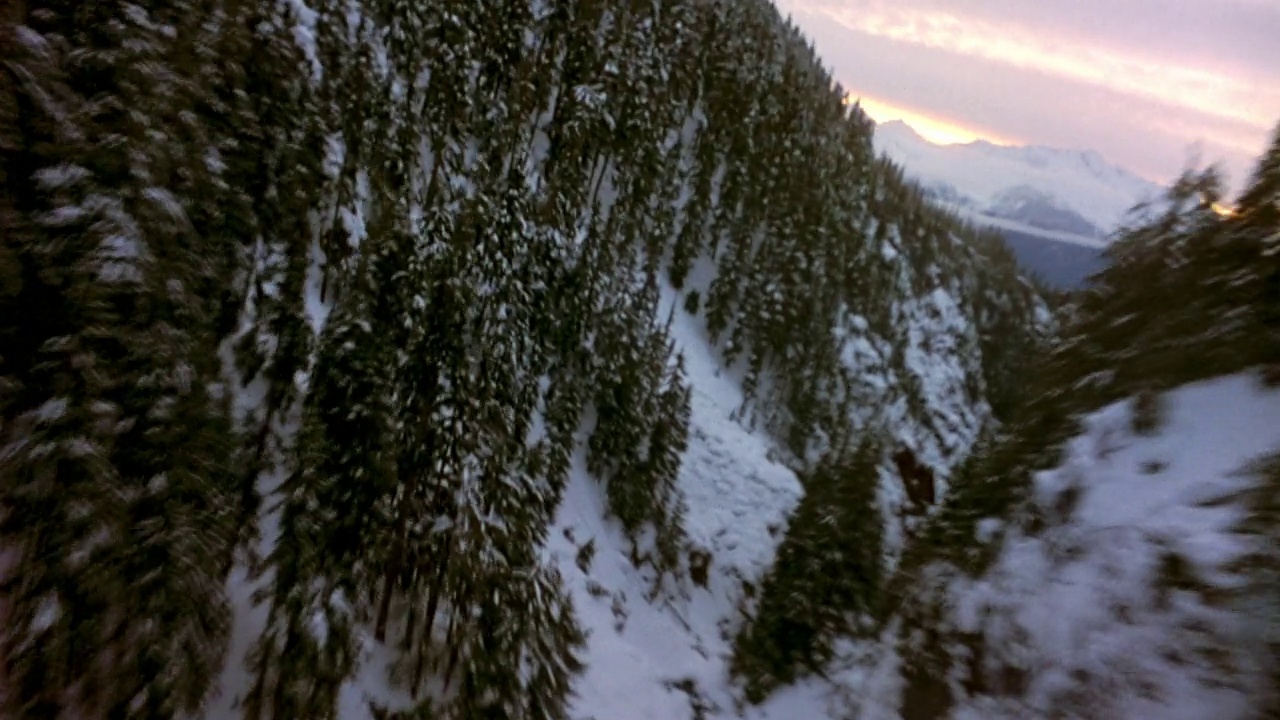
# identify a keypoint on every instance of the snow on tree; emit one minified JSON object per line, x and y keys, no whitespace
{"x":826,"y":582}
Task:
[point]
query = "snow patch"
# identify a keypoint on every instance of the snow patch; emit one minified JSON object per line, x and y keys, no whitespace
{"x":662,"y":658}
{"x":1109,"y":606}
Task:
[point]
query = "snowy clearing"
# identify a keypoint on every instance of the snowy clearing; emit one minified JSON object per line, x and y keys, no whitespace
{"x":1120,"y":603}
{"x":667,"y":658}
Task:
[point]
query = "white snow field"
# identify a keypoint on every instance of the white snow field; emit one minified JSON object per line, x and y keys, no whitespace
{"x":1080,"y":606}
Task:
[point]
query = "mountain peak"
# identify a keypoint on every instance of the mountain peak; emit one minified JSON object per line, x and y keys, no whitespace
{"x":899,"y":128}
{"x":984,"y":177}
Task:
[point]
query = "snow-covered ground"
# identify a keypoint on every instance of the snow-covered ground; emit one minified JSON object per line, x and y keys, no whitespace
{"x":656,"y":659}
{"x":1113,"y":597}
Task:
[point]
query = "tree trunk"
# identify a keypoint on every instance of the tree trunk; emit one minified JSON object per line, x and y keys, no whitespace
{"x":436,"y":589}
{"x":384,"y":603}
{"x":411,"y":624}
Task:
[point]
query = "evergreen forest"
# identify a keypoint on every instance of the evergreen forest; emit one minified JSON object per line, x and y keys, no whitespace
{"x":336,"y":297}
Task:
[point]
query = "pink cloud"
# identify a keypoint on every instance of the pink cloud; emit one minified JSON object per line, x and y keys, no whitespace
{"x":1135,"y":79}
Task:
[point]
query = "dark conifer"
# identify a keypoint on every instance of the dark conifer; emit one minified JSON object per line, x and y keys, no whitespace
{"x":826,"y":581}
{"x":120,"y":453}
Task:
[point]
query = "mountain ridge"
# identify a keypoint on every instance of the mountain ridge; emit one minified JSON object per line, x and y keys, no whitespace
{"x":1077,"y":193}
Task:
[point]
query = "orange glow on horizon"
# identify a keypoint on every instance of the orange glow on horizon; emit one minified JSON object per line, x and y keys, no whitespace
{"x":1247,"y":101}
{"x":936,"y":130}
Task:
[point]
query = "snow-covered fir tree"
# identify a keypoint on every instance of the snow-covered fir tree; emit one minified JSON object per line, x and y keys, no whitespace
{"x":121,"y":455}
{"x":826,"y":581}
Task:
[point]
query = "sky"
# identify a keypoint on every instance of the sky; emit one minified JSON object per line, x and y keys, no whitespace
{"x":1152,"y":85}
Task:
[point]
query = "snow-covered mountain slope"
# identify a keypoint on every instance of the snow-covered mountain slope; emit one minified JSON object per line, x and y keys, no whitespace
{"x":661,"y":652}
{"x":1122,"y":589}
{"x":1075,"y":194}
{"x":649,"y":656}
{"x":663,"y":656}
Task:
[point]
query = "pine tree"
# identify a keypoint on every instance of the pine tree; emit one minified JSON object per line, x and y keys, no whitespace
{"x":1261,"y":527}
{"x":826,"y":580}
{"x":515,"y":650}
{"x":668,"y":441}
{"x":118,"y":483}
{"x":470,"y":465}
{"x":272,"y":156}
{"x":332,"y":515}
{"x":1257,"y":219}
{"x":642,"y":416}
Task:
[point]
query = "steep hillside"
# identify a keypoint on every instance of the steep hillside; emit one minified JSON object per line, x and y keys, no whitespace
{"x":1123,"y":588}
{"x":666,"y":654}
{"x":646,"y":655}
{"x":573,"y":358}
{"x":335,"y":332}
{"x":1112,"y":552}
{"x":1123,"y":592}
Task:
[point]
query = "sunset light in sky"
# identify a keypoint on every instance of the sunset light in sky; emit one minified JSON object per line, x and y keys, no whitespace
{"x":1148,"y":84}
{"x":1213,"y":93}
{"x":935,"y":130}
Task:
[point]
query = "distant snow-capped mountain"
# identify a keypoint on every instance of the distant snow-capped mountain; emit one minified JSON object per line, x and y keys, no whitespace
{"x":1067,"y":195}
